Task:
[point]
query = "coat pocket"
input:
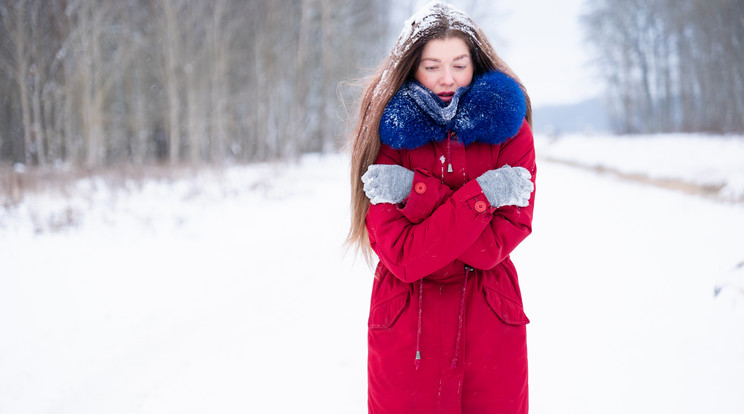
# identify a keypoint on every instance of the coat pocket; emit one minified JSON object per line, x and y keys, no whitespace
{"x":509,"y":311}
{"x":385,"y":313}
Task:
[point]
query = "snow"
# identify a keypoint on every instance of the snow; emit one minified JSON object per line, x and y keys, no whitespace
{"x":230,"y":291}
{"x":704,"y":160}
{"x":425,"y":18}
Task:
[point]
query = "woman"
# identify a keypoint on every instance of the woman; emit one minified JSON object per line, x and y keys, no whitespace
{"x":443,"y":169}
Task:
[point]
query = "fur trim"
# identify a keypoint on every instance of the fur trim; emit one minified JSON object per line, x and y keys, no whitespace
{"x":491,"y":112}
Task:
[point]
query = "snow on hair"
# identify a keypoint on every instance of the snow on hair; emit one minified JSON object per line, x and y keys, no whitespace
{"x":429,"y":16}
{"x":436,"y":19}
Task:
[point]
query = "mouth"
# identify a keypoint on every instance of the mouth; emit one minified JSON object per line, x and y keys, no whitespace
{"x":446,"y":96}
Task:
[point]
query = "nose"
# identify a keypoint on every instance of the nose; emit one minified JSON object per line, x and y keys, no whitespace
{"x":447,"y":78}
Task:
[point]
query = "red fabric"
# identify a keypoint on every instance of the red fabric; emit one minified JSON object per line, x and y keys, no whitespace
{"x":439,"y":230}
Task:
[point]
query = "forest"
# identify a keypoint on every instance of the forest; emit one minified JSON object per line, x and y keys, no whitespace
{"x":94,"y":83}
{"x":670,"y":65}
{"x":89,"y":84}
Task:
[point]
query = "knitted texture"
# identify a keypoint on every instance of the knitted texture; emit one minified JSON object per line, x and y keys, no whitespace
{"x":507,"y":186}
{"x":437,"y":109}
{"x":387,"y":183}
{"x":490,"y":111}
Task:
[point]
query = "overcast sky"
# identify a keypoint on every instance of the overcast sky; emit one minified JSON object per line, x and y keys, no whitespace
{"x":544,"y":45}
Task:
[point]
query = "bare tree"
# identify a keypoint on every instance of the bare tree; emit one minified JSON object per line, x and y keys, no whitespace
{"x":90,"y":82}
{"x":171,"y":44}
{"x":15,"y":20}
{"x":219,"y":39}
{"x":671,"y":65}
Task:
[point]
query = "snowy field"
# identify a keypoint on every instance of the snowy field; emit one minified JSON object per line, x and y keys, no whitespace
{"x":704,"y":160}
{"x":230,"y":292}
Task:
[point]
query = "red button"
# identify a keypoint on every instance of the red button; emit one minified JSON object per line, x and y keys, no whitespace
{"x":419,"y":188}
{"x":481,"y":206}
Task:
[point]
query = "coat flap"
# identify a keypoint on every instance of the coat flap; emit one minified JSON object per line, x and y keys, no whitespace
{"x":384,"y":314}
{"x":507,"y":310}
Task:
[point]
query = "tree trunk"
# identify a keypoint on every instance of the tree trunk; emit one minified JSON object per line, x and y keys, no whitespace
{"x":20,"y":38}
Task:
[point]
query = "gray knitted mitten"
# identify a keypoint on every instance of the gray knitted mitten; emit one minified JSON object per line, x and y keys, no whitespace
{"x":387,"y":183}
{"x":507,"y":186}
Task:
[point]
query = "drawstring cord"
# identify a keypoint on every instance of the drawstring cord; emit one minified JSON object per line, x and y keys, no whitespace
{"x":449,"y":152}
{"x":418,"y":333}
{"x":460,"y":319}
{"x":461,"y":316}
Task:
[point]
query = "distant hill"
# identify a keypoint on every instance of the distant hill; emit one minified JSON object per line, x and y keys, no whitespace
{"x":589,"y":115}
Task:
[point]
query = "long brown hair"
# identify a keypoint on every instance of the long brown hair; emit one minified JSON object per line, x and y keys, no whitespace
{"x":438,"y":21}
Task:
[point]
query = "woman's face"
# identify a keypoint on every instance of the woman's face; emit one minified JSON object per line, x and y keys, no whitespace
{"x":445,"y":66}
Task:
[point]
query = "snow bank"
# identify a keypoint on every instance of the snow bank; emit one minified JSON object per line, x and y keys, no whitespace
{"x":227,"y":291}
{"x":704,"y":160}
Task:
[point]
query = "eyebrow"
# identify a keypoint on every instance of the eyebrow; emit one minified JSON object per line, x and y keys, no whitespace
{"x":439,"y":60}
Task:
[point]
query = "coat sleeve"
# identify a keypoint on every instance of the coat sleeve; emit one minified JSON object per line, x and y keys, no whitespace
{"x":427,"y":192}
{"x":510,"y":224}
{"x":413,"y":242}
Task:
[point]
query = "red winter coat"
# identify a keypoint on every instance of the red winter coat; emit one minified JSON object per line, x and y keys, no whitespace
{"x":467,"y":324}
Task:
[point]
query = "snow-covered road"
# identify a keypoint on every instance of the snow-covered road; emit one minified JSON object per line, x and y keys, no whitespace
{"x":231,"y":292}
{"x":618,"y":281}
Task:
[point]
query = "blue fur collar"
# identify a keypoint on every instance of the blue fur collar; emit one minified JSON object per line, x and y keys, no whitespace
{"x":491,"y":112}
